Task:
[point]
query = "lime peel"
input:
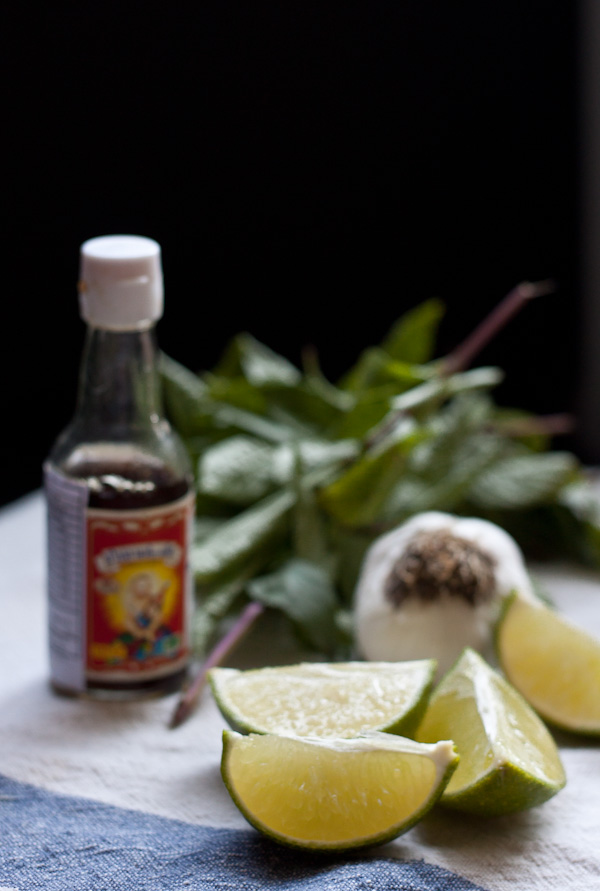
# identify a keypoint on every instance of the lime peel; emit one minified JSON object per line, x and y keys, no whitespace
{"x":509,"y":760}
{"x":553,"y":663}
{"x":334,"y":794}
{"x":325,"y":699}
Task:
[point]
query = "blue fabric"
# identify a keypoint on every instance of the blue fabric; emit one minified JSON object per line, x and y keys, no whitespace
{"x":60,"y":843}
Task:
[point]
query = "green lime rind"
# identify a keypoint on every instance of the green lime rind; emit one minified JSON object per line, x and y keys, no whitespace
{"x":509,"y":760}
{"x":235,"y":719}
{"x":443,"y":754}
{"x":554,"y":664}
{"x":406,"y":724}
{"x":505,"y":790}
{"x":325,"y":699}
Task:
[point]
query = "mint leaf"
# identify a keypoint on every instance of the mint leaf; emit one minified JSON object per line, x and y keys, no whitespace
{"x":366,"y":372}
{"x":436,"y":489}
{"x":356,"y":498}
{"x":521,"y":481}
{"x":304,"y":592}
{"x":435,"y":392}
{"x":185,"y":396}
{"x":310,"y":537}
{"x":261,"y":366}
{"x":236,"y":391}
{"x":245,"y":538}
{"x":229,"y":419}
{"x":412,"y":338}
{"x":238,"y":470}
{"x":376,"y":370}
{"x":307,"y":408}
{"x":211,"y":611}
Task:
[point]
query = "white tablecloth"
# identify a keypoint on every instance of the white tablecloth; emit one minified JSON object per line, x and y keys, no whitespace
{"x":124,"y":754}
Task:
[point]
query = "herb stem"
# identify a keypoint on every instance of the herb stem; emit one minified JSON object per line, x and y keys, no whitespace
{"x":228,"y":642}
{"x":545,"y":425}
{"x":462,"y":356}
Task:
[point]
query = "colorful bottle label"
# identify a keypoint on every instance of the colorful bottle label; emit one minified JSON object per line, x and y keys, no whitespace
{"x":119,"y":588}
{"x":137,"y":599}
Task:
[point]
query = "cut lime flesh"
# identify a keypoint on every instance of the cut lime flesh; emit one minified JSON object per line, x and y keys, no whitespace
{"x":334,"y":794}
{"x":509,"y":760}
{"x":325,"y":699}
{"x":554,"y":664}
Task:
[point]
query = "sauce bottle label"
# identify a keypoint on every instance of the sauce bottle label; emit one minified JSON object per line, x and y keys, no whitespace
{"x":119,"y":588}
{"x":137,"y":591}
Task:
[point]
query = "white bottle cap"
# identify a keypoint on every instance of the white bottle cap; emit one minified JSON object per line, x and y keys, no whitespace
{"x":120,"y":282}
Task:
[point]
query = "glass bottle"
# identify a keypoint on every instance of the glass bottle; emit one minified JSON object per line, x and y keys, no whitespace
{"x":119,"y":495}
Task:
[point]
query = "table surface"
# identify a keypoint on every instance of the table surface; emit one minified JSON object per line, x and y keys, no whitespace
{"x":124,"y":754}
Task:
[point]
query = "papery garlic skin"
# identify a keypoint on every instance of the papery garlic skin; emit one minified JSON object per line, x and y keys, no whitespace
{"x":438,"y":627}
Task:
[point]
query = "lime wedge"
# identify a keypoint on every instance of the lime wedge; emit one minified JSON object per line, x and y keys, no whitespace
{"x":325,"y":699}
{"x":508,"y":759}
{"x":334,"y":794}
{"x":553,"y":663}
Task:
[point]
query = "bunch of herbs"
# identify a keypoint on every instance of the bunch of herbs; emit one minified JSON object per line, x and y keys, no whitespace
{"x":296,"y":475}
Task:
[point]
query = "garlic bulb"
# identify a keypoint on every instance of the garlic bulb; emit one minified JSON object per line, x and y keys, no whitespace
{"x":434,"y":586}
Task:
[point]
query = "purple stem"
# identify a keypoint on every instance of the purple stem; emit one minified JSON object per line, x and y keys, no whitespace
{"x":461,"y":357}
{"x":548,"y":425}
{"x":191,"y":694}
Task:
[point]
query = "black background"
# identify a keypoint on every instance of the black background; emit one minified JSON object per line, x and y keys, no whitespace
{"x":311,"y":171}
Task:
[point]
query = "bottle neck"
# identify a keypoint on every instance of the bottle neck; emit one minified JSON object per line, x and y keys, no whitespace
{"x":119,"y":384}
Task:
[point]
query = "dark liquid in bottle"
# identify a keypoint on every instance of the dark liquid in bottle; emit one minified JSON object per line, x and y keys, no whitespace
{"x":125,"y":478}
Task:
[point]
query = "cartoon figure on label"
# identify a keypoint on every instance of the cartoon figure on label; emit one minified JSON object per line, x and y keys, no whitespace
{"x":143,"y":599}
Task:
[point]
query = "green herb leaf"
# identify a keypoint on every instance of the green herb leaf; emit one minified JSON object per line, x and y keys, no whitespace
{"x":435,"y":392}
{"x":211,"y":611}
{"x":296,"y":475}
{"x":228,"y":420}
{"x":412,"y":338}
{"x":238,"y":392}
{"x":260,"y":365}
{"x":522,"y":481}
{"x":304,"y":592}
{"x":185,"y":397}
{"x":238,"y":470}
{"x":247,"y":537}
{"x":355,"y":499}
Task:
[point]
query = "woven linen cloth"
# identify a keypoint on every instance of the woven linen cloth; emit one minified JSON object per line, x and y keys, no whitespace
{"x":58,"y":843}
{"x":90,"y":787}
